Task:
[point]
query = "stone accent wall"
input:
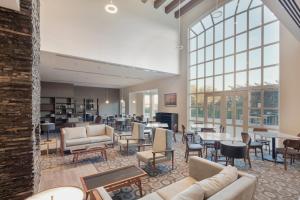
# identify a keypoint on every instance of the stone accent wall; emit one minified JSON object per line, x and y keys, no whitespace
{"x":19,"y":101}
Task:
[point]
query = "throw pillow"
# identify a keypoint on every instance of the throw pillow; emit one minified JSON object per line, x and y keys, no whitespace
{"x":219,"y":181}
{"x":194,"y":192}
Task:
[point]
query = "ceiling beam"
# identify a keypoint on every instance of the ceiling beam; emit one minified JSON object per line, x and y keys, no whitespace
{"x":158,"y":3}
{"x":187,"y":7}
{"x":171,"y":6}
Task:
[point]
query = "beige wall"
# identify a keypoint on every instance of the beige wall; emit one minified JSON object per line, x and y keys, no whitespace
{"x":176,"y":84}
{"x":289,"y":76}
{"x":289,"y":82}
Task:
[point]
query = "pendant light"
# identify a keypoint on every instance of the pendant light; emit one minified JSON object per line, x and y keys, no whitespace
{"x":122,"y":99}
{"x":179,"y":45}
{"x":111,"y":8}
{"x":107,"y":101}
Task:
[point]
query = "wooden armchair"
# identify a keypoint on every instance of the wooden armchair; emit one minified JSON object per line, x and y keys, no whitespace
{"x":137,"y":137}
{"x":188,"y":134}
{"x":291,"y":149}
{"x":162,"y":149}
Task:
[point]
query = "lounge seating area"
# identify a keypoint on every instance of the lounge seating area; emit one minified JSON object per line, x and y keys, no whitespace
{"x":149,"y":100}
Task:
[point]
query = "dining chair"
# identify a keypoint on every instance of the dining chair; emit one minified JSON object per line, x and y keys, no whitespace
{"x":191,"y":147}
{"x":189,"y":134}
{"x":291,"y":149}
{"x":175,"y":130}
{"x":208,"y":144}
{"x":252,"y":145}
{"x":262,"y":140}
{"x":162,"y":149}
{"x":222,"y":129}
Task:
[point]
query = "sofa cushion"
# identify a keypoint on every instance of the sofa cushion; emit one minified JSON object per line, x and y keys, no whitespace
{"x":147,"y":156}
{"x":75,"y":133}
{"x":152,"y":196}
{"x":78,"y":141}
{"x":194,"y":192}
{"x":219,"y":181}
{"x":102,"y":138}
{"x":95,"y":130}
{"x":170,"y":191}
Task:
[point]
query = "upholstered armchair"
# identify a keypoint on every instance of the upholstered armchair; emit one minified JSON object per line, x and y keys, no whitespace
{"x":162,"y":149}
{"x":137,"y":137}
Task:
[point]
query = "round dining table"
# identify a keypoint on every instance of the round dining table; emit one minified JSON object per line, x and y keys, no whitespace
{"x":59,"y":193}
{"x":273,"y":136}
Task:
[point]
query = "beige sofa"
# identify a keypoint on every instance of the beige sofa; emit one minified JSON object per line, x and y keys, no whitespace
{"x":242,"y":189}
{"x":85,"y":137}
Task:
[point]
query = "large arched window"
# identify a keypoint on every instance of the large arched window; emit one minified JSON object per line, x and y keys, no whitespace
{"x":234,"y":67}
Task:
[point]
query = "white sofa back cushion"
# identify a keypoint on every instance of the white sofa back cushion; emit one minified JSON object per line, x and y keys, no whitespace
{"x":95,"y":130}
{"x":75,"y":133}
{"x":219,"y":181}
{"x":194,"y":192}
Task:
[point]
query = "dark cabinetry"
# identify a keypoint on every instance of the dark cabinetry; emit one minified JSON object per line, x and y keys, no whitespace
{"x":170,"y":118}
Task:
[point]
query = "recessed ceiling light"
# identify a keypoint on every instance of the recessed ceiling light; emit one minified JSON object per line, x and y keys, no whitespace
{"x":111,"y":8}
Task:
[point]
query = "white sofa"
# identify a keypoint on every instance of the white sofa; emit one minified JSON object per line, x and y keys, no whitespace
{"x":199,"y":169}
{"x":85,"y":137}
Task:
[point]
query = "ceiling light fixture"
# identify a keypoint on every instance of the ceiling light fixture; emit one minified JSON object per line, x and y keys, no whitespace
{"x":218,"y":13}
{"x":106,"y":94}
{"x":111,"y":8}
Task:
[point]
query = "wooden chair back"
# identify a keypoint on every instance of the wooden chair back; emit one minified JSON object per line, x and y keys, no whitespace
{"x":260,"y":130}
{"x":289,"y":143}
{"x":183,"y":129}
{"x":175,"y":128}
{"x":246,"y":138}
{"x":222,"y":129}
{"x":206,"y":130}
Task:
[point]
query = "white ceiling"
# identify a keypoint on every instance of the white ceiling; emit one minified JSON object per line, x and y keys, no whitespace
{"x":10,"y":4}
{"x":86,"y":72}
{"x":138,"y":37}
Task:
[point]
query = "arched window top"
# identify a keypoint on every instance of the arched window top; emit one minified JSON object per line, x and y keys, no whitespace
{"x":230,"y":9}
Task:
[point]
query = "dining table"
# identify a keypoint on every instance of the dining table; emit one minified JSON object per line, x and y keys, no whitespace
{"x":273,"y":136}
{"x":218,"y":137}
{"x":157,"y":125}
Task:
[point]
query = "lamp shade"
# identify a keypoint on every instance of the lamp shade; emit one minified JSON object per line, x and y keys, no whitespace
{"x":59,"y":193}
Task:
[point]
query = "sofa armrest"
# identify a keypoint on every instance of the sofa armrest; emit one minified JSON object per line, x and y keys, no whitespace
{"x":62,"y":141}
{"x":200,"y":168}
{"x":109,"y":131}
{"x":241,"y":189}
{"x":100,"y":194}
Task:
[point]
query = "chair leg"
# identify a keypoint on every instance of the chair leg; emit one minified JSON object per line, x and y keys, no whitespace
{"x":187,"y":156}
{"x":262,"y":153}
{"x":172,"y":160}
{"x":182,"y":139}
{"x":269,"y":149}
{"x":285,"y":164}
{"x":255,"y":152}
{"x":174,"y":136}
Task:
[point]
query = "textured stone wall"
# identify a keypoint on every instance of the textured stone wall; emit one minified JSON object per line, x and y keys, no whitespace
{"x":19,"y":101}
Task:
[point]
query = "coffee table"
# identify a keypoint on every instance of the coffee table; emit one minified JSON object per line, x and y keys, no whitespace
{"x":77,"y":152}
{"x":114,"y":179}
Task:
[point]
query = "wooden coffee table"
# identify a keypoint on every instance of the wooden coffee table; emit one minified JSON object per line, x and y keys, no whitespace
{"x":77,"y":152}
{"x":114,"y":179}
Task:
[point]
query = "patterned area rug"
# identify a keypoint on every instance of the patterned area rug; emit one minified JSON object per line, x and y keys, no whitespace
{"x":273,"y":181}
